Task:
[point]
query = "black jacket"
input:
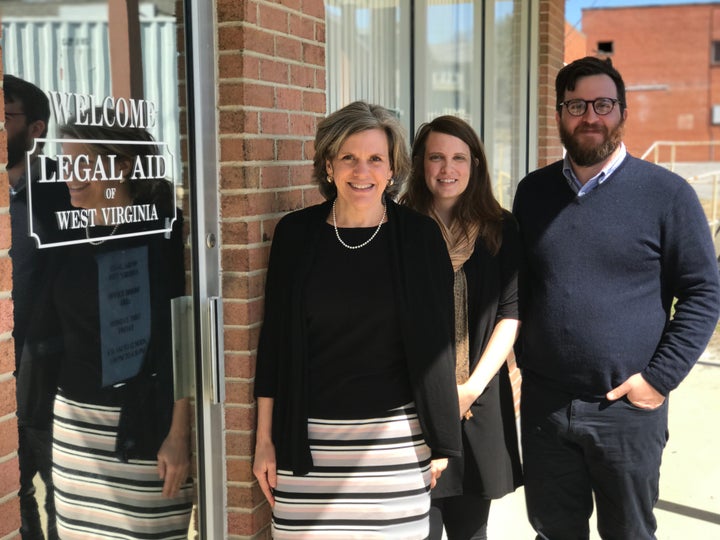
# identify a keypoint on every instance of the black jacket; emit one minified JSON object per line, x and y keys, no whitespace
{"x":423,"y":281}
{"x":29,"y":264}
{"x":147,"y":399}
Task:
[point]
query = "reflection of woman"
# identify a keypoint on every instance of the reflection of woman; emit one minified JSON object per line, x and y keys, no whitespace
{"x":120,"y":440}
{"x":451,"y":183}
{"x":355,"y":381}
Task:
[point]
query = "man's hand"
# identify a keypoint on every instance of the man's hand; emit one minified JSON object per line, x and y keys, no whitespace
{"x":639,"y":392}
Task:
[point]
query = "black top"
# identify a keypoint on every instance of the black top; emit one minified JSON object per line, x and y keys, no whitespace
{"x":422,"y":279}
{"x":490,"y":466}
{"x":28,"y":262}
{"x":357,"y":365}
{"x":65,"y":333}
{"x":78,"y":287}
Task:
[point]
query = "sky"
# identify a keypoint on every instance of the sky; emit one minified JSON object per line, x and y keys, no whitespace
{"x":573,"y":8}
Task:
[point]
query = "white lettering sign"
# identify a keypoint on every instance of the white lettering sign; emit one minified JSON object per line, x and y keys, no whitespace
{"x":87,"y":111}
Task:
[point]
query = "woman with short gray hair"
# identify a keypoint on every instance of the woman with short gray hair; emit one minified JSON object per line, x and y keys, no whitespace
{"x":357,"y":404}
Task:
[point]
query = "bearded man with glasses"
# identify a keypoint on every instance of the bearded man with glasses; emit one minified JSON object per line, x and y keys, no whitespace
{"x":612,"y":243}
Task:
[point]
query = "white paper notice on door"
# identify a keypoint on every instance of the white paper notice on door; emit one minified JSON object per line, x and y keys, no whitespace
{"x":124,"y":302}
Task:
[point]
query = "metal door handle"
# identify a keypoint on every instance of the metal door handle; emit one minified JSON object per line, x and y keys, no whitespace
{"x":217,"y":360}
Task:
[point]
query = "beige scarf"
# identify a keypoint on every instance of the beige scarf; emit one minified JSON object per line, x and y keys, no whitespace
{"x":461,"y":247}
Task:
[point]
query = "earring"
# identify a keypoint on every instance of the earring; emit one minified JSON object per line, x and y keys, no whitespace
{"x":391,"y":181}
{"x":330,"y":179}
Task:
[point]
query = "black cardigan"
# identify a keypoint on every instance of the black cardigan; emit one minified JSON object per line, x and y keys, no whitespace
{"x":422,"y":280}
{"x":147,"y":400}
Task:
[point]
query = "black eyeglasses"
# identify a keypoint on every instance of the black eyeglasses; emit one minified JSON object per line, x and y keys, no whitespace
{"x":11,"y":114}
{"x":578,"y":107}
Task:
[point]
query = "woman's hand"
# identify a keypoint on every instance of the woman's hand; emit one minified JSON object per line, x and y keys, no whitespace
{"x":466,"y":396}
{"x":264,"y":469}
{"x":496,"y":351}
{"x":264,"y":464}
{"x":174,"y":463}
{"x":174,"y":454}
{"x":437,"y":466}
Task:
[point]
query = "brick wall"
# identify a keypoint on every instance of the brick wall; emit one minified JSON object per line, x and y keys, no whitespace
{"x":575,"y":43}
{"x":9,"y":475}
{"x":670,"y":79}
{"x":551,"y":51}
{"x":271,"y":95}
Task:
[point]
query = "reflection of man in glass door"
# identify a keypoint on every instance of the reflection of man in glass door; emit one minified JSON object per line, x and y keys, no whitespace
{"x":27,"y":113}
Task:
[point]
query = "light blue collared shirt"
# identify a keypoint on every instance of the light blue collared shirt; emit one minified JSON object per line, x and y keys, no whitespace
{"x":21,"y":183}
{"x":596,"y":180}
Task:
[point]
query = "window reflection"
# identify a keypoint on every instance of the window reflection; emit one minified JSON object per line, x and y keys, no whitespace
{"x":66,"y":48}
{"x":438,"y":57}
{"x":367,"y":54}
{"x":509,"y":109}
{"x":450,"y":52}
{"x":107,"y":292}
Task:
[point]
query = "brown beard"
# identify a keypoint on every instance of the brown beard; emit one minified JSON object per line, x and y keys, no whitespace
{"x":589,"y":155}
{"x":16,"y":147}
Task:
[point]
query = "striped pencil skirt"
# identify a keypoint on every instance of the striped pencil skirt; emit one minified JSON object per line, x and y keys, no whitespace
{"x":370,"y":479}
{"x":96,"y":495}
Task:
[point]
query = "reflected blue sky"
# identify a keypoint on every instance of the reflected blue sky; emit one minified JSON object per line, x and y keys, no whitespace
{"x":446,"y":21}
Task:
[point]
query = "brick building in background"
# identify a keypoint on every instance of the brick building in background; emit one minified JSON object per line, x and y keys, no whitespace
{"x":669,"y":57}
{"x":575,"y":43}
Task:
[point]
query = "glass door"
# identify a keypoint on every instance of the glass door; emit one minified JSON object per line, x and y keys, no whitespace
{"x":115,"y":273}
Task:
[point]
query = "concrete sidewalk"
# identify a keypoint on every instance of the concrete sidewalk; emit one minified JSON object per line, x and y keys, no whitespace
{"x":689,"y":505}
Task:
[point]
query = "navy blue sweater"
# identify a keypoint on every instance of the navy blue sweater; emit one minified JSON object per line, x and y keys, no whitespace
{"x":602,"y":272}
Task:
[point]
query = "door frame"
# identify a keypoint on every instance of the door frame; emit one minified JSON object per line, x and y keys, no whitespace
{"x":203,"y":158}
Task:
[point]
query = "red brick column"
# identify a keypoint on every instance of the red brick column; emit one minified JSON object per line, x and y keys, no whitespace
{"x":271,"y":95}
{"x":551,"y":51}
{"x":9,"y":471}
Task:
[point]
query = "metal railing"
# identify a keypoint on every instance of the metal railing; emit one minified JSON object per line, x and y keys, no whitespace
{"x":706,"y":182}
{"x":714,"y":183}
{"x":656,"y":147}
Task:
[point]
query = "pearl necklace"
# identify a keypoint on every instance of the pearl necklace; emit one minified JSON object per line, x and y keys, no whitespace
{"x":98,"y":242}
{"x":366,"y":242}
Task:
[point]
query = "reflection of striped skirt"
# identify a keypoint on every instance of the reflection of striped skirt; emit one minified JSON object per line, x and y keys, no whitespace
{"x":96,"y":495}
{"x":370,"y":479}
